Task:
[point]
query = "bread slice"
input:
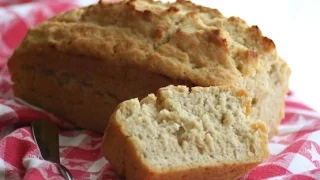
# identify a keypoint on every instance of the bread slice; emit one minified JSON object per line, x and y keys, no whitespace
{"x":81,"y":64}
{"x":204,"y":133}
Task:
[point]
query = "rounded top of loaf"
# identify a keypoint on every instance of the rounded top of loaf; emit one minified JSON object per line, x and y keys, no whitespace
{"x":180,"y":40}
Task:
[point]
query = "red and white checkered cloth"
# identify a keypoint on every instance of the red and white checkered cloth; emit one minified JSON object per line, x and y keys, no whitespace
{"x":295,"y":152}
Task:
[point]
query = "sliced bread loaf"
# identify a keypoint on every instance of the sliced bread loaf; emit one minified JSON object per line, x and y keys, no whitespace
{"x":204,"y":133}
{"x":81,"y":64}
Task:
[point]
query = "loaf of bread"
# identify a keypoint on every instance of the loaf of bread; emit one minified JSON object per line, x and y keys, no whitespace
{"x":81,"y":64}
{"x":178,"y":135}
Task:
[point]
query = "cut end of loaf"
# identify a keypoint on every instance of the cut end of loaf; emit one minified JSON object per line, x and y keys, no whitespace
{"x":181,"y":129}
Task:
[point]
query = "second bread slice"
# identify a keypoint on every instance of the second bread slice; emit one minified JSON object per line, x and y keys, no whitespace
{"x":202,"y":133}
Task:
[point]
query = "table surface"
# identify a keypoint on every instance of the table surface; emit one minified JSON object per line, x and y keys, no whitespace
{"x":295,"y":151}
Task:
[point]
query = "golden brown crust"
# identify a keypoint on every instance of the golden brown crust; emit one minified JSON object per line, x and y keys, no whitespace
{"x":182,"y":41}
{"x":93,"y":37}
{"x":59,"y":86}
{"x":117,"y":146}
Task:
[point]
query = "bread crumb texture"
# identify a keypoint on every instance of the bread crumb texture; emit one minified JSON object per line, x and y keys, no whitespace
{"x":180,"y":129}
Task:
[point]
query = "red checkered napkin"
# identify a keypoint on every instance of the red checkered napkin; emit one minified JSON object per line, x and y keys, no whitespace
{"x":295,"y":152}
